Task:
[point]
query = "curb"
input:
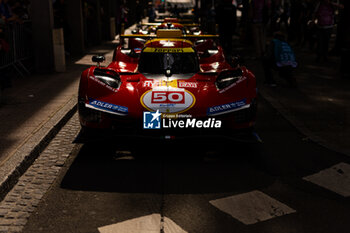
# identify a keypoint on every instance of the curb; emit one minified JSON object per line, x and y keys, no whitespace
{"x":26,"y":154}
{"x":300,"y":126}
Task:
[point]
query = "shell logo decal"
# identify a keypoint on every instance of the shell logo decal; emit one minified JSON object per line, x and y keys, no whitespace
{"x":168,"y":100}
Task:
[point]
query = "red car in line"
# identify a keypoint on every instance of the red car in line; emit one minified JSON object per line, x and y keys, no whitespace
{"x":175,"y":86}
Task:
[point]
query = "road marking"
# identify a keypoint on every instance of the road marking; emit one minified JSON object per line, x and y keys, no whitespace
{"x":252,"y":207}
{"x":146,"y":224}
{"x":335,"y":178}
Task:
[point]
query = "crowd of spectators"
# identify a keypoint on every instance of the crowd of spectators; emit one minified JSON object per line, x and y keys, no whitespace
{"x":11,"y":11}
{"x":306,"y":24}
{"x":301,"y":21}
{"x":14,"y":10}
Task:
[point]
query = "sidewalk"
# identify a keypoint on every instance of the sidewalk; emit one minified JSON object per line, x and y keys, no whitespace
{"x":34,"y":109}
{"x":33,"y":100}
{"x":319,"y":108}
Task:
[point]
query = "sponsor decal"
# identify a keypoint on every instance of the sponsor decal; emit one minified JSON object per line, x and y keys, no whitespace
{"x":172,"y":83}
{"x":161,"y":83}
{"x":192,"y":123}
{"x":107,"y":107}
{"x":168,"y":50}
{"x":226,"y":108}
{"x":151,"y":120}
{"x":176,"y":116}
{"x":187,"y":84}
{"x":168,"y":99}
{"x":103,"y":84}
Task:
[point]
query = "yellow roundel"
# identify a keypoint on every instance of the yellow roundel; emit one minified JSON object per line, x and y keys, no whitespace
{"x":168,"y":100}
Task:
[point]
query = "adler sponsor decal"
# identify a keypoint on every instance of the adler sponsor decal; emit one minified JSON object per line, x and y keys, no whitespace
{"x":226,"y":108}
{"x":107,"y":107}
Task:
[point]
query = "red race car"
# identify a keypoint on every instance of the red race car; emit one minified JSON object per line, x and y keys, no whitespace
{"x":167,"y":23}
{"x":172,"y":87}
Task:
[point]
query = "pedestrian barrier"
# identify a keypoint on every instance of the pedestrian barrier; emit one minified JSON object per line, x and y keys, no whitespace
{"x":19,"y":38}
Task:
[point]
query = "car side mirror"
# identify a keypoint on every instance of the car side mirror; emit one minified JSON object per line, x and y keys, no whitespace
{"x":98,"y":59}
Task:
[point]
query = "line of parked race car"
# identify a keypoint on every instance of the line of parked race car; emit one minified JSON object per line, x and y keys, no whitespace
{"x":163,"y":72}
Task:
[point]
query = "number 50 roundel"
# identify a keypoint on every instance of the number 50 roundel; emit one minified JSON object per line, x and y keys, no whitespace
{"x":174,"y":100}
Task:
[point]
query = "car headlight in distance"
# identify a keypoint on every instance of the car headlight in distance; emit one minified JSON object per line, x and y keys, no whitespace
{"x":109,"y":77}
{"x":227,"y":78}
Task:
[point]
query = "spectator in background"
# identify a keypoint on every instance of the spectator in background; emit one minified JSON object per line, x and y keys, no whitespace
{"x":310,"y":33}
{"x":208,"y":21}
{"x":341,"y":28}
{"x":295,"y":26}
{"x":324,"y":18}
{"x":244,"y":25}
{"x":151,"y":13}
{"x":6,"y":11}
{"x":224,"y":18}
{"x":124,"y":11}
{"x":2,"y":20}
{"x":20,"y":8}
{"x":279,"y":56}
{"x":5,"y":79}
{"x":139,"y":12}
{"x":345,"y":42}
{"x":211,"y":15}
{"x":303,"y":36}
{"x":259,"y":11}
{"x":234,"y":19}
{"x":175,"y":10}
{"x":4,"y":46}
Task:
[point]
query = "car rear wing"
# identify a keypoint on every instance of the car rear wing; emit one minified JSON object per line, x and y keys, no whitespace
{"x":174,"y":20}
{"x":183,"y":24}
{"x":176,"y":36}
{"x":166,"y":34}
{"x":169,"y":33}
{"x":153,"y":36}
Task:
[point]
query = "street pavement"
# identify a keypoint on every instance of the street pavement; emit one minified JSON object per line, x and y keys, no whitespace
{"x":296,"y":185}
{"x":319,"y":106}
{"x":285,"y":184}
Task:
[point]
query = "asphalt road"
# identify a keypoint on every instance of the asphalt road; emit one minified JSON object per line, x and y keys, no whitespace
{"x":262,"y":188}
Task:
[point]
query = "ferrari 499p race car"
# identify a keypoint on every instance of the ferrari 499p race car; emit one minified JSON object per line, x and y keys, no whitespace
{"x":173,"y":86}
{"x":167,"y":23}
